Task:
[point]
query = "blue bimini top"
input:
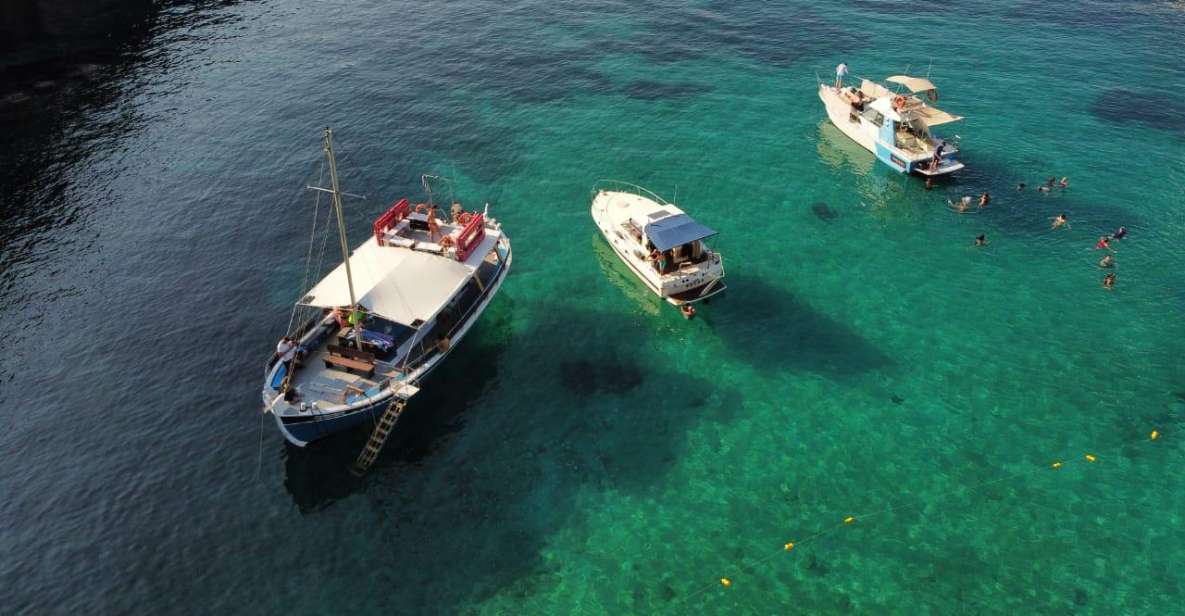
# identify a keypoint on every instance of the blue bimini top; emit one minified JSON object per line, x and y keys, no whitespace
{"x":666,"y":233}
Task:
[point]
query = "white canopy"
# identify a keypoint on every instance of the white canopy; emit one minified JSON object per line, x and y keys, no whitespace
{"x":398,"y":284}
{"x":934,"y":116}
{"x":915,"y":84}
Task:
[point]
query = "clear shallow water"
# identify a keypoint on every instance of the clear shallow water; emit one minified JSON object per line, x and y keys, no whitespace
{"x":590,"y":451}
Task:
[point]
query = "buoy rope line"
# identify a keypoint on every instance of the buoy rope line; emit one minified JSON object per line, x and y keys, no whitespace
{"x":792,"y":544}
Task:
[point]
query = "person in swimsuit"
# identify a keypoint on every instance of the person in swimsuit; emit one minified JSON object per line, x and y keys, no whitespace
{"x":1020,"y":187}
{"x":981,"y":240}
{"x":985,"y":199}
{"x":688,"y":311}
{"x":1064,"y":183}
{"x":1109,"y":281}
{"x":1119,"y":233}
{"x":1107,"y":261}
{"x":433,"y":224}
{"x":962,"y":206}
{"x":1060,"y":221}
{"x":1104,"y":243}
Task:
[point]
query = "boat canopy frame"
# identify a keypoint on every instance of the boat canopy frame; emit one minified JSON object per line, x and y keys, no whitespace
{"x":675,"y":230}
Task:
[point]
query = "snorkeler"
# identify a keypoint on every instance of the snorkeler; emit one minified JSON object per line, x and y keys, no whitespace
{"x":981,"y":240}
{"x":1107,"y":261}
{"x":1109,"y":281}
{"x":1059,"y":221}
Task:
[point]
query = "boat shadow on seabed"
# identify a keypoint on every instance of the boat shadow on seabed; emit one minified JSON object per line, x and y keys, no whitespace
{"x":581,"y":411}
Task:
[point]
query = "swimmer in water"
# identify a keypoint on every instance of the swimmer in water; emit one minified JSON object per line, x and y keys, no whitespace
{"x":1059,"y":221}
{"x":981,"y":240}
{"x":1020,"y":187}
{"x":985,"y":199}
{"x":1119,"y":233}
{"x":1065,"y":182}
{"x":1043,"y":189}
{"x":962,"y":206}
{"x":929,"y":182}
{"x":1107,"y":261}
{"x":688,"y":311}
{"x":1109,"y":281}
{"x":1104,"y":243}
{"x":1050,"y":182}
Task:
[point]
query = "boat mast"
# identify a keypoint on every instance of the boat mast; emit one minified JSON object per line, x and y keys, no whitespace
{"x":341,"y":233}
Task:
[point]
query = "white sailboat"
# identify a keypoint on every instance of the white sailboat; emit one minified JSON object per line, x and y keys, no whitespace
{"x":386,"y":317}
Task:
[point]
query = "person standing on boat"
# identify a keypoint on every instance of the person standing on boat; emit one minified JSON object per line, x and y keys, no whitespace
{"x":433,"y":224}
{"x":840,"y":72}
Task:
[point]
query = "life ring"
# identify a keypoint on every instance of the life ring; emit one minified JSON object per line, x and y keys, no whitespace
{"x":899,"y":103}
{"x":932,"y":95}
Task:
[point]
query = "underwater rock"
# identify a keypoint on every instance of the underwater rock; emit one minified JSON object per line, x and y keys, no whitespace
{"x":823,"y":211}
{"x":897,"y":399}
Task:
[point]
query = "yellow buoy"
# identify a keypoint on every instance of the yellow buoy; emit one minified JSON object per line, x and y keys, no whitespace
{"x":789,"y":546}
{"x":1155,"y":435}
{"x":849,"y":519}
{"x":1090,"y":458}
{"x":725,"y":582}
{"x":1056,"y":465}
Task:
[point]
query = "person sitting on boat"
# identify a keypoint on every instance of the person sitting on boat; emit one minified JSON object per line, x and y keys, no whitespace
{"x":660,"y":260}
{"x":286,"y":350}
{"x":357,"y":317}
{"x":858,"y":101}
{"x":456,"y":212}
{"x":342,"y":316}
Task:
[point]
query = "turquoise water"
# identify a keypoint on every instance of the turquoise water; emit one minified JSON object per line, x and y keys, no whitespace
{"x":587,"y":450}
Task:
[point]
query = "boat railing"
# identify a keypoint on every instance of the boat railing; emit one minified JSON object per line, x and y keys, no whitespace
{"x":620,"y":186}
{"x":390,"y":218}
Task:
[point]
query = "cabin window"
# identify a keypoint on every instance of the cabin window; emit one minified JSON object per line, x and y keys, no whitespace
{"x":874,"y":116}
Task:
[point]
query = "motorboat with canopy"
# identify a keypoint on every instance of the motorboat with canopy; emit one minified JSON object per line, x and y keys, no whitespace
{"x":664,"y":247}
{"x":896,"y":125}
{"x":364,"y":337}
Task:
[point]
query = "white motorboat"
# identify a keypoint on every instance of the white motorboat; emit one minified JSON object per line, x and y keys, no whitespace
{"x":895,"y":125}
{"x":369,"y":332}
{"x":663,"y":246}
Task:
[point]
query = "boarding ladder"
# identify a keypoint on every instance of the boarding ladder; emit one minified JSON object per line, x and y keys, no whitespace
{"x":378,"y":437}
